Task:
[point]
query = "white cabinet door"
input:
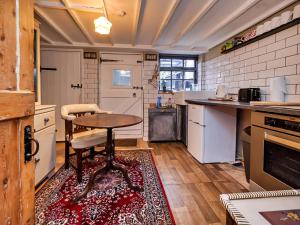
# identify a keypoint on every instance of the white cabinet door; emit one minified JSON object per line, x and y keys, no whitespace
{"x":196,"y":140}
{"x":196,"y":113}
{"x":45,"y":159}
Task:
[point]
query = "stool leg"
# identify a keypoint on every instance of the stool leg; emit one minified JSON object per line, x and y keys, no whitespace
{"x":67,"y":155}
{"x":79,"y":165}
{"x":92,"y":152}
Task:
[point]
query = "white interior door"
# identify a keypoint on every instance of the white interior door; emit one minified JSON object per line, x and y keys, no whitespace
{"x":121,"y":89}
{"x":60,"y":69}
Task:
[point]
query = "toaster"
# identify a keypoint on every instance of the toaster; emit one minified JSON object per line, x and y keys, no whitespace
{"x":249,"y":94}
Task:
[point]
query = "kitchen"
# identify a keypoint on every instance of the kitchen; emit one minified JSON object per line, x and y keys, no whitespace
{"x":192,"y":115}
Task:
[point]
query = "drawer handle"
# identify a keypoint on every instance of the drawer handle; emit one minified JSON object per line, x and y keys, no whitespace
{"x":46,"y":120}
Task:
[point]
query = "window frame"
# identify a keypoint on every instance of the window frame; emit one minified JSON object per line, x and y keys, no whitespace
{"x":182,"y":69}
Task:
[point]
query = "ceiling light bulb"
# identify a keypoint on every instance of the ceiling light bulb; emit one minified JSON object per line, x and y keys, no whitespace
{"x":102,"y":25}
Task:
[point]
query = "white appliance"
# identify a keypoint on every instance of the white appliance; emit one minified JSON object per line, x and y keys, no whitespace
{"x":181,"y":96}
{"x":221,"y":91}
{"x":212,"y":133}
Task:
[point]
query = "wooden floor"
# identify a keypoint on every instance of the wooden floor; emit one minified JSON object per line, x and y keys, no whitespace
{"x":192,"y":188}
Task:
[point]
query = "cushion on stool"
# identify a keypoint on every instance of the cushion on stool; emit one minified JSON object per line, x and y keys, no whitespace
{"x":90,"y":138}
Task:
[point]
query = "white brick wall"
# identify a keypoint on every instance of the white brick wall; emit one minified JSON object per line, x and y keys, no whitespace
{"x":255,"y":64}
{"x":90,"y":81}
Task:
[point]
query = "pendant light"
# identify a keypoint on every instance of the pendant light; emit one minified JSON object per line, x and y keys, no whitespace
{"x":102,"y":25}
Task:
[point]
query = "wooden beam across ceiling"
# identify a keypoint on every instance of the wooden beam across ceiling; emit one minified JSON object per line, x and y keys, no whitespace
{"x":48,"y":20}
{"x":232,"y":16}
{"x":166,"y":20}
{"x":77,"y":7}
{"x":106,"y":15}
{"x":78,"y":21}
{"x":195,"y":20}
{"x":136,"y":21}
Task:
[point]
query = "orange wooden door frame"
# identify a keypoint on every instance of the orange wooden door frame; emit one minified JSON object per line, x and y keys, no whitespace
{"x":16,"y":111}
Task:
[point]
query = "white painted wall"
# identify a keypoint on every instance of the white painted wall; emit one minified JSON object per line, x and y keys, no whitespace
{"x":254,"y":65}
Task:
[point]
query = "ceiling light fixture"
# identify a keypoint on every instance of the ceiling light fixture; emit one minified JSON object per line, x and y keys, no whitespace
{"x":102,"y":25}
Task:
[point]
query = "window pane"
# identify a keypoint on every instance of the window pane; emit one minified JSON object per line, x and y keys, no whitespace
{"x":177,"y":75}
{"x":189,"y":63}
{"x":166,"y":83}
{"x":165,"y":62}
{"x":177,"y":85}
{"x":122,"y":78}
{"x":188,"y":85}
{"x":177,"y":63}
{"x":189,"y":75}
{"x":165,"y":74}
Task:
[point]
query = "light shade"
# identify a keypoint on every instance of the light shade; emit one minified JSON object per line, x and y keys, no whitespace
{"x":102,"y":25}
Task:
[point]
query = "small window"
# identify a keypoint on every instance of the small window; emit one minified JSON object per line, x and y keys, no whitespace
{"x":178,"y":72}
{"x":122,"y":78}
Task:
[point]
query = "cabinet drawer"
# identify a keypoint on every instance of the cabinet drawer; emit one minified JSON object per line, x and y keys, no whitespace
{"x":196,"y":113}
{"x":44,"y":120}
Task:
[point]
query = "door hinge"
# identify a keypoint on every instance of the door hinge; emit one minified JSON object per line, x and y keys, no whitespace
{"x":108,"y":60}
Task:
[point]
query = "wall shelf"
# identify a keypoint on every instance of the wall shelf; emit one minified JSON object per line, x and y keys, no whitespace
{"x":264,"y":35}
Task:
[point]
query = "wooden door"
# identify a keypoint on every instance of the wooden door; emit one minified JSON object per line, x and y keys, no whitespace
{"x":120,"y":89}
{"x":60,"y":70}
{"x":16,"y":111}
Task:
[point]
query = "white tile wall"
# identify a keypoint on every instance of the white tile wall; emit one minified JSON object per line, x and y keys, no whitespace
{"x":254,"y":65}
{"x":90,"y":81}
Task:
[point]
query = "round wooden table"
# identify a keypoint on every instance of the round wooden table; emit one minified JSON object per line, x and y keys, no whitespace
{"x":109,"y":122}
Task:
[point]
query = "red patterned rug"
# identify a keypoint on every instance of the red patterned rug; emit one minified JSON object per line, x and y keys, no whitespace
{"x":110,"y":202}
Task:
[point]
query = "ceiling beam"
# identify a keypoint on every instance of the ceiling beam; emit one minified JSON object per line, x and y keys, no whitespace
{"x":136,"y":21}
{"x":77,"y":21}
{"x":74,"y":6}
{"x":195,"y":20}
{"x":48,"y":20}
{"x":251,"y":23}
{"x":235,"y":14}
{"x":166,"y":20}
{"x":46,"y":38}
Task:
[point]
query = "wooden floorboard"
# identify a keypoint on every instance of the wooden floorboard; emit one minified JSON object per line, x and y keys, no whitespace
{"x":193,"y":189}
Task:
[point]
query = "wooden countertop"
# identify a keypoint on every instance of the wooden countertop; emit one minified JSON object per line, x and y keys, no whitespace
{"x":285,"y":110}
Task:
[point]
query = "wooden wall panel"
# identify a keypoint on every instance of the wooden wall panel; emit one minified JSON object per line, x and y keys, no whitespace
{"x":26,"y":39}
{"x":9,"y":173}
{"x":7,"y":45}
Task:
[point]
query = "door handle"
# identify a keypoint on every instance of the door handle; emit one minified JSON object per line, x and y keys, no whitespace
{"x":282,"y":141}
{"x":28,"y":139}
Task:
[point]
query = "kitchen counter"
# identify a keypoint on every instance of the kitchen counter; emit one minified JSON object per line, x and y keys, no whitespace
{"x":286,"y":110}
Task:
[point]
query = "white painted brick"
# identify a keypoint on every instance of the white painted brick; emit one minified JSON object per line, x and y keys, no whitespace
{"x":266,"y":73}
{"x":252,"y":46}
{"x":286,"y":33}
{"x":258,"y":67}
{"x":229,"y":79}
{"x":291,"y":89}
{"x":244,"y":84}
{"x":234,"y":72}
{"x":293,"y":40}
{"x":266,"y":41}
{"x":239,"y":77}
{"x":251,"y":61}
{"x":286,"y":52}
{"x":259,"y":51}
{"x":276,"y":46}
{"x":246,"y":55}
{"x":293,"y":98}
{"x":239,"y":51}
{"x":298,"y":90}
{"x":276,"y":63}
{"x":285,"y":71}
{"x":298,"y":69}
{"x":266,"y":57}
{"x":293,"y":79}
{"x":248,"y":69}
{"x":258,"y":83}
{"x":292,"y":60}
{"x":251,"y":76}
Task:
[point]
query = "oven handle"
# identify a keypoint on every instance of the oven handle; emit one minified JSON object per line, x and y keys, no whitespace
{"x":281,"y":141}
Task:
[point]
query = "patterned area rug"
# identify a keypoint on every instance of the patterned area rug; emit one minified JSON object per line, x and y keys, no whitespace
{"x":110,"y":202}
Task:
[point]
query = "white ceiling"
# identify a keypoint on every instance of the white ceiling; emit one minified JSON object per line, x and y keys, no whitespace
{"x":174,"y":26}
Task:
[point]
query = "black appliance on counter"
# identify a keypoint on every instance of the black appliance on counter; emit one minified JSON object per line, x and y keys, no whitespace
{"x":249,"y":94}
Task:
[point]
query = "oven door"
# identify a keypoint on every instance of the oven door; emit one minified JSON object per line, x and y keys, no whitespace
{"x":275,"y":159}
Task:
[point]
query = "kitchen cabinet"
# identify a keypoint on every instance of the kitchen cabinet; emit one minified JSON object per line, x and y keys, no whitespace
{"x":162,"y":124}
{"x":212,"y":133}
{"x":45,"y":134}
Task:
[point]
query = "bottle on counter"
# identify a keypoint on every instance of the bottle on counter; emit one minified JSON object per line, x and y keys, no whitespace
{"x":158,"y":102}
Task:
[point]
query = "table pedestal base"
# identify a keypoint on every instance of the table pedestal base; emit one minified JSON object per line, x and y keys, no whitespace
{"x":110,"y":165}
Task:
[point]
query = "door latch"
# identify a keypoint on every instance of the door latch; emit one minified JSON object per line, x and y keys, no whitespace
{"x":28,"y":139}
